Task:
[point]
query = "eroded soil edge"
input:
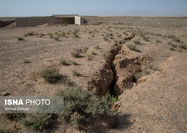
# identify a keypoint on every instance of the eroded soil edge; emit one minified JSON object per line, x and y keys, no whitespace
{"x":118,"y":73}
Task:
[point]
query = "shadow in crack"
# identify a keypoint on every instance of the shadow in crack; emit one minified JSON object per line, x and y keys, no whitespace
{"x":122,"y":122}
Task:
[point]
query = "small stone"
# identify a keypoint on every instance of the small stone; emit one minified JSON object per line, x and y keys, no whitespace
{"x":116,"y":106}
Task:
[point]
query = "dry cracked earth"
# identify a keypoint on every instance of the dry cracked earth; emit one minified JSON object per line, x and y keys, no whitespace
{"x":144,"y":66}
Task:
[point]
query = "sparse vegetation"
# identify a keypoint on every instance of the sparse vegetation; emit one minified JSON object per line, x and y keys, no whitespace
{"x":133,"y":47}
{"x":174,"y":38}
{"x":50,"y":34}
{"x":81,"y":106}
{"x":97,"y":47}
{"x":30,"y":33}
{"x":172,"y":49}
{"x":153,"y":67}
{"x":57,"y":38}
{"x":97,"y":23}
{"x":90,"y":57}
{"x":105,"y":38}
{"x":158,"y":41}
{"x":119,"y":35}
{"x":137,"y":76}
{"x":183,"y":46}
{"x":145,"y":38}
{"x":4,"y":130}
{"x":174,"y":45}
{"x":76,"y":36}
{"x":15,"y":116}
{"x":74,"y":63}
{"x":25,"y":61}
{"x":77,"y":74}
{"x":68,"y":82}
{"x":166,"y":55}
{"x":40,"y":122}
{"x":42,"y":35}
{"x":50,"y":75}
{"x":147,"y":72}
{"x":75,"y":33}
{"x":137,"y":42}
{"x":75,"y":54}
{"x":94,"y":53}
{"x":159,"y":34}
{"x":65,"y":62}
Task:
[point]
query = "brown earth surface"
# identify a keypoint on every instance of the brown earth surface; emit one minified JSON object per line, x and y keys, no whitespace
{"x":151,"y":80}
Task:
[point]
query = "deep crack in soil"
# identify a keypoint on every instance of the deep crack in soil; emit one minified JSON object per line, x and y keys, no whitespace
{"x":118,"y":73}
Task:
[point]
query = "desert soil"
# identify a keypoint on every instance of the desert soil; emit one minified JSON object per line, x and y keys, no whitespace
{"x":154,"y":102}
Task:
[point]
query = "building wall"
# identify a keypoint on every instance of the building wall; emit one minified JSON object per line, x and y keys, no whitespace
{"x":33,"y":21}
{"x":5,"y":23}
{"x":78,"y":20}
{"x":64,"y":20}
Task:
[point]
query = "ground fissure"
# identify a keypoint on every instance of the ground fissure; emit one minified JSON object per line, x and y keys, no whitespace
{"x":118,"y":73}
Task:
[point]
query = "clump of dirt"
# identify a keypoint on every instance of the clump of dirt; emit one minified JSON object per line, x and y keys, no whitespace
{"x":125,"y":69}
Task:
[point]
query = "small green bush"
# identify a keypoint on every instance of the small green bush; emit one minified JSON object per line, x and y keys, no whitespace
{"x":90,"y":57}
{"x":137,"y":42}
{"x":137,"y":76}
{"x":153,"y":67}
{"x":97,"y":47}
{"x":4,"y":131}
{"x":81,"y":106}
{"x":172,"y":49}
{"x":97,"y":23}
{"x":15,"y":116}
{"x":50,"y":75}
{"x":57,"y":38}
{"x":39,"y":122}
{"x":145,"y":38}
{"x":42,"y":35}
{"x":25,"y":61}
{"x":147,"y":72}
{"x":77,"y":74}
{"x":158,"y":41}
{"x":94,"y":53}
{"x":174,"y":38}
{"x":68,"y":82}
{"x":75,"y":35}
{"x":183,"y":46}
{"x":105,"y":38}
{"x":65,"y":62}
{"x":172,"y":44}
{"x":31,"y":33}
{"x":133,"y":47}
{"x":74,"y":63}
{"x":76,"y":54}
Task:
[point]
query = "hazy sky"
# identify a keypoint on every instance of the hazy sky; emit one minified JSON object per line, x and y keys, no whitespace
{"x":93,"y":7}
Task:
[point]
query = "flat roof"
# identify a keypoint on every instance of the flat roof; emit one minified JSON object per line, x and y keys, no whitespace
{"x":65,"y":15}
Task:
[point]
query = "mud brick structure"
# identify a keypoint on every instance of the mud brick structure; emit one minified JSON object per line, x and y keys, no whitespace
{"x":55,"y":19}
{"x":32,"y":21}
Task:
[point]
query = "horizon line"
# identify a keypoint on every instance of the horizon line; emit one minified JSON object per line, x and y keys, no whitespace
{"x":96,"y":16}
